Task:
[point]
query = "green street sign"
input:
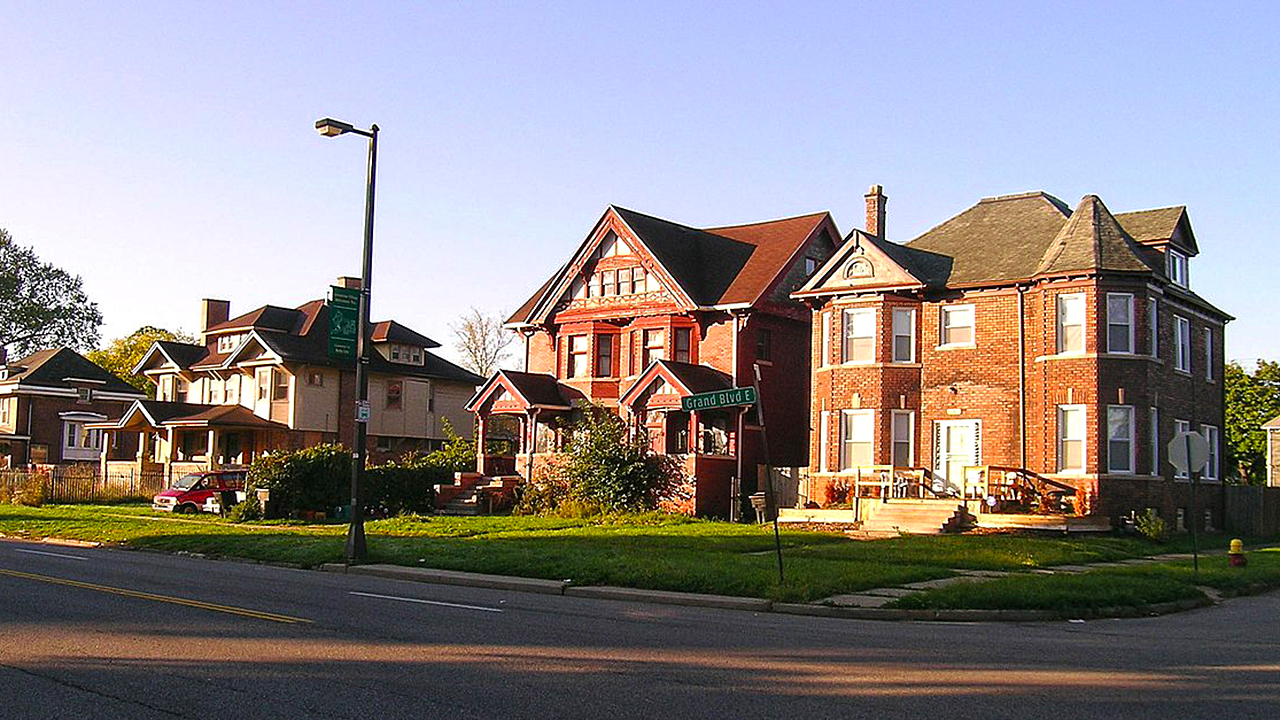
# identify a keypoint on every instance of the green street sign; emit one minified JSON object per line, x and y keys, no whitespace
{"x":719,"y":399}
{"x":344,"y":312}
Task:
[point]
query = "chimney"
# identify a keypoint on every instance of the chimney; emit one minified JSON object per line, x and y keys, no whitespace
{"x":349,"y":282}
{"x":876,"y":200}
{"x":213,"y":312}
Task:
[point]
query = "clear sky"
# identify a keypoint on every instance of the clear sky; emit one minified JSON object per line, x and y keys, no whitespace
{"x":165,"y":152}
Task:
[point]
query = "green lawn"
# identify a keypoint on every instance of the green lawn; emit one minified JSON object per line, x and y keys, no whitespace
{"x":1125,"y":586}
{"x":645,"y":551}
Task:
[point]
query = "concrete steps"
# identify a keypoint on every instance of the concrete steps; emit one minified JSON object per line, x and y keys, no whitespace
{"x":474,"y":499}
{"x":920,"y":517}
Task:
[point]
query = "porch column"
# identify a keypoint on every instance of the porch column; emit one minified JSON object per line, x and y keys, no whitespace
{"x":104,"y":453}
{"x":482,"y":422}
{"x":171,"y":455}
{"x":211,"y":448}
{"x":533,"y":440}
{"x":695,"y":433}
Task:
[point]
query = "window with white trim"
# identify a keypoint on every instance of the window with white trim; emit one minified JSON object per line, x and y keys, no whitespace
{"x":1071,"y":323}
{"x":279,"y":385}
{"x":1182,"y":344}
{"x":84,"y":395}
{"x":1071,"y":443}
{"x":1177,"y":268}
{"x":956,"y":325}
{"x":859,"y":345}
{"x":578,"y":365}
{"x":1180,"y":426}
{"x":1155,"y":440}
{"x":1120,"y":445}
{"x":904,"y":335}
{"x":80,"y":442}
{"x":655,"y":346}
{"x":5,"y":414}
{"x":1211,"y":465}
{"x":1120,"y":323}
{"x":1153,"y":322}
{"x":1208,"y":353}
{"x":903,"y":436}
{"x":857,"y":432}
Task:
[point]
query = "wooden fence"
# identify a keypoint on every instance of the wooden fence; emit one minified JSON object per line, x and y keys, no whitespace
{"x":82,"y":484}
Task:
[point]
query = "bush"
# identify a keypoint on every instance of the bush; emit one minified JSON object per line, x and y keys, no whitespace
{"x":32,"y":491}
{"x":245,"y":511}
{"x":1152,"y":526}
{"x":603,"y":469}
{"x":396,"y":488}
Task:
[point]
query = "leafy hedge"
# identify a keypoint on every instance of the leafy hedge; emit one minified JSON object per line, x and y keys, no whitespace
{"x":318,"y":478}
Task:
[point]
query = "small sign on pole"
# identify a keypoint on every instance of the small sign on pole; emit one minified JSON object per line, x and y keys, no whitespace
{"x":719,"y":399}
{"x":344,"y":313}
{"x":362,"y":411}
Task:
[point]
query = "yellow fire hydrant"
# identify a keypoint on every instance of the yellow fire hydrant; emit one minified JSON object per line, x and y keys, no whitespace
{"x":1236,"y":554}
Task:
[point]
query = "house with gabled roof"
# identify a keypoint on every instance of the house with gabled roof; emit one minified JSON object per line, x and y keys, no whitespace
{"x":646,"y":311}
{"x":1017,"y":354}
{"x":265,"y":380}
{"x":49,"y":401}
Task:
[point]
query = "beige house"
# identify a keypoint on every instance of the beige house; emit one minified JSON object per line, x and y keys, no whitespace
{"x":264,"y":381}
{"x":1272,"y":427}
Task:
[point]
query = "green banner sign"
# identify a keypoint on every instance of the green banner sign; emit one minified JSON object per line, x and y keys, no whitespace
{"x":344,"y":314}
{"x":719,"y":399}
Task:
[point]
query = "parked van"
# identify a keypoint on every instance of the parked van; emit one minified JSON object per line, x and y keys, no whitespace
{"x":189,"y":493}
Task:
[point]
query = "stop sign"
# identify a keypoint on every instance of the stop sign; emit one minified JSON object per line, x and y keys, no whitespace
{"x":1188,"y":451}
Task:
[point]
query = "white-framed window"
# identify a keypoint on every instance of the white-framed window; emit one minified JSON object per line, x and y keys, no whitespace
{"x":1180,"y":426}
{"x":859,"y":344}
{"x":5,"y":416}
{"x":1071,"y":323}
{"x":1211,"y":465}
{"x":956,"y":325}
{"x":857,"y":433}
{"x":1153,"y":322}
{"x":1120,"y":323}
{"x":279,"y":385}
{"x":1120,"y":445}
{"x":810,"y":266}
{"x":903,"y":438}
{"x":824,"y":432}
{"x":84,"y":395}
{"x":655,"y":345}
{"x":904,"y":335}
{"x":1071,"y":440}
{"x":1177,"y":268}
{"x":578,"y":365}
{"x":80,"y":442}
{"x":1208,"y":353}
{"x":826,"y":340}
{"x":1182,"y":344}
{"x":1155,"y":440}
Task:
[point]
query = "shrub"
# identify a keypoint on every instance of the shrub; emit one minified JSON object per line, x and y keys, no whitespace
{"x":603,"y":469}
{"x":32,"y":491}
{"x":245,"y":511}
{"x":1152,"y":526}
{"x":317,"y":478}
{"x":396,"y":488}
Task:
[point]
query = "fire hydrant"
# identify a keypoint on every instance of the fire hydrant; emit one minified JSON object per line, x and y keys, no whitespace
{"x":1236,"y":554}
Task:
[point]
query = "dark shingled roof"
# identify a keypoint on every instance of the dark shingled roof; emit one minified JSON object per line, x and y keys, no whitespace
{"x":161,"y":411}
{"x":184,"y":354}
{"x":1152,"y":225}
{"x":267,"y":317}
{"x":1091,"y":240}
{"x":698,"y":378}
{"x":392,"y":331}
{"x":776,"y":242}
{"x":999,"y":239}
{"x":52,"y":367}
{"x":540,"y":389}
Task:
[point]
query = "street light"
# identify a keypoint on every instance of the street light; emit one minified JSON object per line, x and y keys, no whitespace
{"x":356,"y":550}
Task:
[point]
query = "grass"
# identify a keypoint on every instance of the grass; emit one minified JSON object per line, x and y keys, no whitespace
{"x":645,"y":551}
{"x":1121,"y":586}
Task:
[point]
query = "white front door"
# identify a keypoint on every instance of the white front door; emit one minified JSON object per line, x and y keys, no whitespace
{"x":956,"y":446}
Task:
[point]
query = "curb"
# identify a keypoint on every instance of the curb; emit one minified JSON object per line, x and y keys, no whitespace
{"x":667,"y":597}
{"x":452,"y":577}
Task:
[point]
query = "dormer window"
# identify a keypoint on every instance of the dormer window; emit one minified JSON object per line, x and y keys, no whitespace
{"x":1177,"y":268}
{"x":227,"y":343}
{"x":84,"y":395}
{"x":395,"y":352}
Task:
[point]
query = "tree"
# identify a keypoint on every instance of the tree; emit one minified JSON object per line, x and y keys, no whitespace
{"x":482,"y":341}
{"x":41,"y":305}
{"x":1251,"y":400}
{"x":122,"y":355}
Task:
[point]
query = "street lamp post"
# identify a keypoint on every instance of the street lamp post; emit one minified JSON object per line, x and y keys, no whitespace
{"x":356,"y":550}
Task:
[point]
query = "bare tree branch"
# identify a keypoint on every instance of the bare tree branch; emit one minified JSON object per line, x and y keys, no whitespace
{"x":482,"y":341}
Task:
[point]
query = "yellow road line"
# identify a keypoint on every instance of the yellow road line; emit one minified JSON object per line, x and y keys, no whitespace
{"x":260,"y":615}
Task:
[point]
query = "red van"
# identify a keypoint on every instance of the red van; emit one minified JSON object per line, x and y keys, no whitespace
{"x":188,"y":493}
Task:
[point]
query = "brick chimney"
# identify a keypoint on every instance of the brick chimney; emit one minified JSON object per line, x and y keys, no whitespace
{"x":876,"y":200}
{"x":349,"y":282}
{"x":212,"y":312}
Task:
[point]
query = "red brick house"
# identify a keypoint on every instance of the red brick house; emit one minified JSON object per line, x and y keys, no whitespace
{"x":1019,"y":334}
{"x":48,"y":403}
{"x":264,"y":381}
{"x":647,"y":311}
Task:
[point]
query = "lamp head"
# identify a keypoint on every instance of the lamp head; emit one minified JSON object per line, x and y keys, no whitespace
{"x":329,"y":127}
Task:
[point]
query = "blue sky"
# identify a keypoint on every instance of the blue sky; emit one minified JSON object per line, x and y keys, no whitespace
{"x":165,"y":152}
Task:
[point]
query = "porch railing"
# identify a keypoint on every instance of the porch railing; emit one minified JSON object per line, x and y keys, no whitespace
{"x":999,"y":488}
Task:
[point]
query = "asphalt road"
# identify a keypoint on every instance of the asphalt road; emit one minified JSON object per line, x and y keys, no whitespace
{"x":102,"y":634}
